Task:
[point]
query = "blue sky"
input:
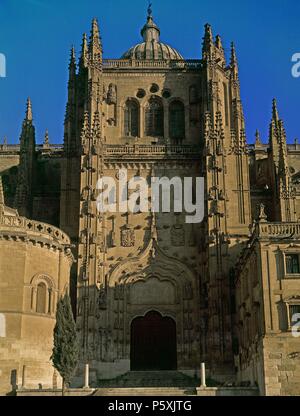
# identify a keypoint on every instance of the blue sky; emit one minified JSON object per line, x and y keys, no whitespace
{"x":36,"y":36}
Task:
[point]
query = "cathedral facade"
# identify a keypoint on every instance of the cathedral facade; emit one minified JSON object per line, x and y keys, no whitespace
{"x":150,"y":291}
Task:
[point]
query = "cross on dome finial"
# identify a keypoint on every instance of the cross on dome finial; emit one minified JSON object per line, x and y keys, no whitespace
{"x":149,"y":10}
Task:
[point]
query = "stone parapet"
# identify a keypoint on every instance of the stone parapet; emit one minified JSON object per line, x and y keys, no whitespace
{"x":23,"y":228}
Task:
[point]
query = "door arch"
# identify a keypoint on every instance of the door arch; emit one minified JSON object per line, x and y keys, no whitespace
{"x":153,"y":343}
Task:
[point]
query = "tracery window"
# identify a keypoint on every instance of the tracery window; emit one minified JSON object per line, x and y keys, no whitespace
{"x":177,"y":120}
{"x":131,"y":119}
{"x":154,"y":118}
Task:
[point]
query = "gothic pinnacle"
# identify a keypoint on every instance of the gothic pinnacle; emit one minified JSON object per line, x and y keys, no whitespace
{"x":233,"y":61}
{"x":208,"y":33}
{"x":73,"y":57}
{"x":219,"y":42}
{"x":208,"y":42}
{"x":275,"y":115}
{"x":258,"y":141}
{"x":46,"y":139}
{"x":28,"y":110}
{"x":95,"y":45}
{"x":84,"y":51}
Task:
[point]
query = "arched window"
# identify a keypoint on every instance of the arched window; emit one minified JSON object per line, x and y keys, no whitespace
{"x":41,"y":298}
{"x":177,"y":120}
{"x":131,"y":119}
{"x":154,"y":118}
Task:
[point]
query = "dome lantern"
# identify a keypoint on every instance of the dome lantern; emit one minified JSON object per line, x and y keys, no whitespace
{"x":151,"y":48}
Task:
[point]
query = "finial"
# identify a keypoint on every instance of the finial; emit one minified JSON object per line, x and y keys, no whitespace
{"x":73,"y":56}
{"x":208,"y":43}
{"x":219,"y":44}
{"x":29,"y":110}
{"x":84,"y":51}
{"x":275,"y":110}
{"x":262,"y":213}
{"x":95,"y":45}
{"x":4,"y":147}
{"x":233,"y":55}
{"x":208,"y":32}
{"x":46,"y":139}
{"x":257,"y":138}
{"x":149,"y":10}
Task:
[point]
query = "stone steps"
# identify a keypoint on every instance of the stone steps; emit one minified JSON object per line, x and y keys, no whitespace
{"x":153,"y":379}
{"x":146,"y":391}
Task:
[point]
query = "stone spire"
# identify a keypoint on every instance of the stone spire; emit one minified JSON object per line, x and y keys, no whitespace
{"x":46,"y":144}
{"x":28,"y":116}
{"x":220,"y":54}
{"x":258,"y":141}
{"x":274,"y":136}
{"x":95,"y":44}
{"x":72,"y":64}
{"x":234,"y":62}
{"x":283,"y":161}
{"x":4,"y":146}
{"x":218,"y":42}
{"x":23,"y":197}
{"x":281,"y":173}
{"x":275,"y":115}
{"x":84,"y":52}
{"x":208,"y":42}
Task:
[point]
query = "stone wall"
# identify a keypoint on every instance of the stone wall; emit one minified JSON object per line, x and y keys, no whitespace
{"x":282,"y":365}
{"x":31,"y":282}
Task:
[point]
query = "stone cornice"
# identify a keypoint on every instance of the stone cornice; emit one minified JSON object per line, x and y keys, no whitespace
{"x":21,"y":229}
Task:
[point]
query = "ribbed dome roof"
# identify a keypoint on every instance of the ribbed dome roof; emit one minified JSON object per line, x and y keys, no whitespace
{"x":152,"y":48}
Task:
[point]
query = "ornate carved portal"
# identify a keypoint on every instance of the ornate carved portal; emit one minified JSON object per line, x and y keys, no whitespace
{"x":153,"y":281}
{"x":153,"y":343}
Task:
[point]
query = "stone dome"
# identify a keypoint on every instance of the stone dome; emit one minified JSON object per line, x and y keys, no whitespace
{"x":151,"y":48}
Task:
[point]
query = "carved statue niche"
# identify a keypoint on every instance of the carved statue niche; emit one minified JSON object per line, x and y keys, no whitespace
{"x":102,"y":299}
{"x":178,"y":234}
{"x":111,"y":100}
{"x":113,"y":238}
{"x":112,"y":94}
{"x":83,"y":237}
{"x":85,"y":194}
